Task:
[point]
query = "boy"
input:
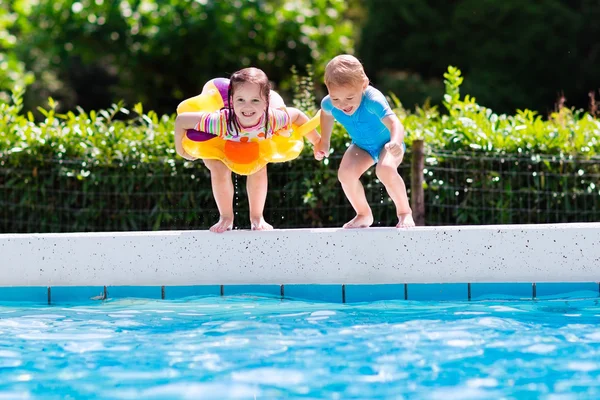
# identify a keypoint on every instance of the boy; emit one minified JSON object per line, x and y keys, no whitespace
{"x":377,"y":138}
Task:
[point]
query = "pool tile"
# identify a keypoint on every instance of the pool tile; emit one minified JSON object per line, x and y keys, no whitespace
{"x":269,"y":290}
{"x":143,"y":292}
{"x":438,"y":291}
{"x":66,"y":294}
{"x":566,"y":289}
{"x":34,"y":294}
{"x":361,"y":293}
{"x":499,"y":291}
{"x":327,"y":293}
{"x":178,"y":292}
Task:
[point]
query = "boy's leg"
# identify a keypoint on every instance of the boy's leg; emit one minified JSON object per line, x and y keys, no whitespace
{"x":257,"y":185}
{"x":387,"y":172}
{"x":222,"y":188}
{"x":354,"y":163}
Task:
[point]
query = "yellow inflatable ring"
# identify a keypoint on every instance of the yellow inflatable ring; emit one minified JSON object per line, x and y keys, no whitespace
{"x":243,"y":158}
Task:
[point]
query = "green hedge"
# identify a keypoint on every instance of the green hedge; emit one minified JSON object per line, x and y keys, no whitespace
{"x":116,"y":169}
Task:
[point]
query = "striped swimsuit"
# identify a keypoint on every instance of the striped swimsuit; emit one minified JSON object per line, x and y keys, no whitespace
{"x":216,"y":123}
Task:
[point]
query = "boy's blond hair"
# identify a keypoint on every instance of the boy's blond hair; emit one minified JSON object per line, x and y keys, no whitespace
{"x":345,"y":70}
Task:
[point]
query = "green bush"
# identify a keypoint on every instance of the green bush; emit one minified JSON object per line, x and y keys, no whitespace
{"x":467,"y":125}
{"x":97,"y":171}
{"x":89,"y":171}
{"x":486,"y":168}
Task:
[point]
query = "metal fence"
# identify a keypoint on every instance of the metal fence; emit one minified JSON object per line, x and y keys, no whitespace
{"x":459,"y":188}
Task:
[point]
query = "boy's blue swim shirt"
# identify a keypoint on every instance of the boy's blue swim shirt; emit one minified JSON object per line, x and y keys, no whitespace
{"x":365,"y":125}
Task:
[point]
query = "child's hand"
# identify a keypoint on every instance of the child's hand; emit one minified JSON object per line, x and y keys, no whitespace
{"x":321,"y":150}
{"x":394,"y":148}
{"x":284,"y":133}
{"x":188,"y":157}
{"x":184,"y":154}
{"x":319,"y":155}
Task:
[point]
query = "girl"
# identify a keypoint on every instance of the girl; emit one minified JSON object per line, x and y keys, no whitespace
{"x":248,"y":116}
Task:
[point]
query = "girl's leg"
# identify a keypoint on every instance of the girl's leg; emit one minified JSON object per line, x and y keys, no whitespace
{"x":354,"y":163}
{"x":387,"y":172}
{"x":257,"y":185}
{"x":222,"y":187}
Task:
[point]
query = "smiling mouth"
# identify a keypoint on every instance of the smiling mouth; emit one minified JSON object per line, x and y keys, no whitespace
{"x":248,"y":114}
{"x":347,"y":110}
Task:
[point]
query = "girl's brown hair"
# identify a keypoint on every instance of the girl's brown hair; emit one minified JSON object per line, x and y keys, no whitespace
{"x":247,"y":75}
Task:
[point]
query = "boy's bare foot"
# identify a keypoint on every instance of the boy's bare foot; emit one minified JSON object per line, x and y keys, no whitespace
{"x":224,"y":224}
{"x":360,"y":221}
{"x":259,"y":224}
{"x":405,"y":221}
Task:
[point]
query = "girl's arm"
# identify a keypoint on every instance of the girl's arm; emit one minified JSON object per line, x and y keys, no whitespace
{"x":183,"y":122}
{"x":299,"y":118}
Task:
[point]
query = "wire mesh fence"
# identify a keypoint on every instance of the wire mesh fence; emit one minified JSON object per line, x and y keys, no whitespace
{"x":460,"y":188}
{"x":471,"y":188}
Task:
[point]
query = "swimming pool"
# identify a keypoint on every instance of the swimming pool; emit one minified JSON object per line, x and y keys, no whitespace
{"x":247,"y":347}
{"x":435,"y":312}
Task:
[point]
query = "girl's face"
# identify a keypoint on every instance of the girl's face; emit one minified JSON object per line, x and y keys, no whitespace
{"x":347,"y":98}
{"x":248,"y":104}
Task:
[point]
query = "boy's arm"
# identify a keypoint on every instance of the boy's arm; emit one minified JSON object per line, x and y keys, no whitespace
{"x":378,"y":105}
{"x":395,"y":127}
{"x":396,"y":135}
{"x":327,"y":122}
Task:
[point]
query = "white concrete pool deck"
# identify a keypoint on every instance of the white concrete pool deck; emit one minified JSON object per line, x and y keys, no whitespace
{"x":453,"y":254}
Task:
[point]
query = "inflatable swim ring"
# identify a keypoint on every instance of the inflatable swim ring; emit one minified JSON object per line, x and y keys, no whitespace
{"x":243,"y":158}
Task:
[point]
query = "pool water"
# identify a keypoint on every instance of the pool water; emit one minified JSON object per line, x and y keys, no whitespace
{"x":245,"y":347}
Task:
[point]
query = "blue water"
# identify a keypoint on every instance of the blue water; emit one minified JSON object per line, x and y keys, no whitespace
{"x":249,"y":347}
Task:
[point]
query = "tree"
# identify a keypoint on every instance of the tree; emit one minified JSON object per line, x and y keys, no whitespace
{"x":12,"y":70}
{"x":161,"y":51}
{"x":514,"y":54}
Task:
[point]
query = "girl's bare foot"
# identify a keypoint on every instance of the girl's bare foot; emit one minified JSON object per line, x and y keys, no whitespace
{"x":224,"y":224}
{"x":405,"y":221}
{"x":360,"y":221}
{"x":259,"y":224}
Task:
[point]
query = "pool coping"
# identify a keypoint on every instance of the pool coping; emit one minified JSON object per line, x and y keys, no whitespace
{"x":455,"y":254}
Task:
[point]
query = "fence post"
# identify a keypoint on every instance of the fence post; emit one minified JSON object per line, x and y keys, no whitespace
{"x":417,"y":194}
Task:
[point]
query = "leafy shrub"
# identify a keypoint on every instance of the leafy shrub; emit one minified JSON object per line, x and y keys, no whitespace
{"x":80,"y":171}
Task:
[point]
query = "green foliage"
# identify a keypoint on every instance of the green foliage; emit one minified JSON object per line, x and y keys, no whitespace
{"x":486,"y":168}
{"x":91,"y":171}
{"x":97,"y":137}
{"x":80,"y":171}
{"x":12,"y":70}
{"x":470,"y":126}
{"x":481,"y":167}
{"x":474,"y":187}
{"x":517,"y":54}
{"x":159,"y":52}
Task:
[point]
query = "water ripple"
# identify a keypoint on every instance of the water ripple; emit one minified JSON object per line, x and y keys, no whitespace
{"x":241,"y":347}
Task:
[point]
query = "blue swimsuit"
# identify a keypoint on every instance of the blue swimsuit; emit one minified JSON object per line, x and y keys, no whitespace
{"x":365,"y":125}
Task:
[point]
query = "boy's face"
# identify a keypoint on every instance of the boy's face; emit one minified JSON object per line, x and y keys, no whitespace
{"x":248,"y":104}
{"x":347,"y":98}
